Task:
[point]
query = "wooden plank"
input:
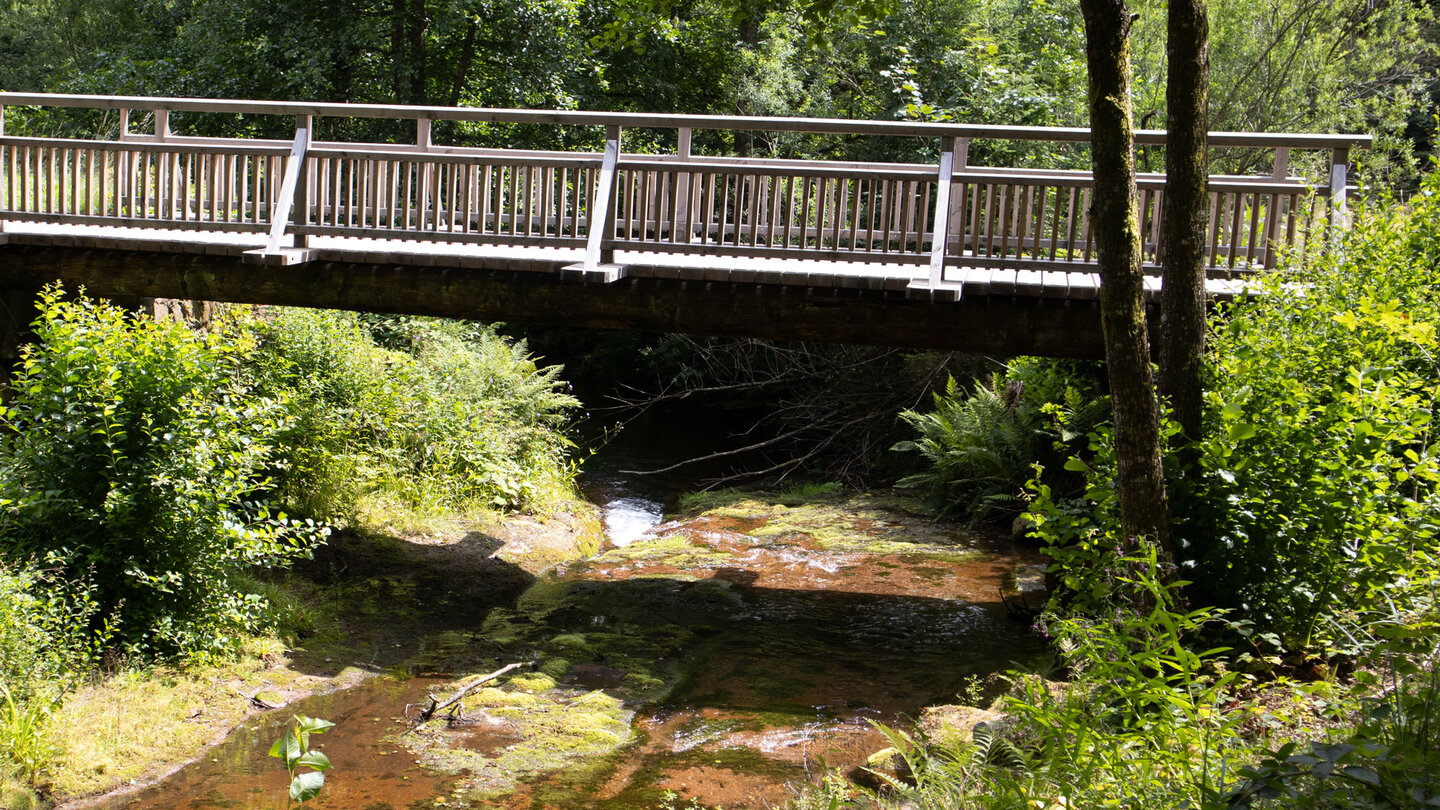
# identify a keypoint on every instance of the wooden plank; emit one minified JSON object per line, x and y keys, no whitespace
{"x":1217,"y":210}
{"x":1024,"y":210}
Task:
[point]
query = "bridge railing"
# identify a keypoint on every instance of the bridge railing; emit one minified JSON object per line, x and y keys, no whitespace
{"x":678,"y":203}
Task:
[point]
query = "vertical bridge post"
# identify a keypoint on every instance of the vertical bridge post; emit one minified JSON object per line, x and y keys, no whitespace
{"x":1339,"y":179}
{"x":600,"y":232}
{"x":424,"y":142}
{"x":293,"y":186}
{"x":940,"y":229}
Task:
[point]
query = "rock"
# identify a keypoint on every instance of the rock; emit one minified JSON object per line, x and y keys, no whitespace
{"x":1020,"y":527}
{"x":954,"y":724}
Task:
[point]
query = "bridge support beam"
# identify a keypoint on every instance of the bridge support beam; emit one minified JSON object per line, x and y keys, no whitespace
{"x":991,"y":324}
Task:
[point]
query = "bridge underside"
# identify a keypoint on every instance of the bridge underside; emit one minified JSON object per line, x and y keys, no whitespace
{"x":790,"y":309}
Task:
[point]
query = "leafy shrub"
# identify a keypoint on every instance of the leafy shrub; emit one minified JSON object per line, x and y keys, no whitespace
{"x":979,"y":448}
{"x":129,"y":467}
{"x":1319,"y":489}
{"x":451,"y":417}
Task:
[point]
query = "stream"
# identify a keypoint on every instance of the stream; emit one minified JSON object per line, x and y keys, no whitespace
{"x":725,"y":655}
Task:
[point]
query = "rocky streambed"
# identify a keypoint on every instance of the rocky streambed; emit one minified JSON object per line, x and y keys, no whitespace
{"x":722,"y":656}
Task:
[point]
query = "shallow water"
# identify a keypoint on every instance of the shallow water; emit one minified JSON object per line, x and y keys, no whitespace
{"x":751,"y":655}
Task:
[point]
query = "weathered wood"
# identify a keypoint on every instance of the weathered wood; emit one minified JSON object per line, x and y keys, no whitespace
{"x":437,"y":705}
{"x":280,"y":213}
{"x":654,"y":120}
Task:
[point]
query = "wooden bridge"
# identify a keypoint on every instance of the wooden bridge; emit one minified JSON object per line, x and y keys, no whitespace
{"x":943,"y":255}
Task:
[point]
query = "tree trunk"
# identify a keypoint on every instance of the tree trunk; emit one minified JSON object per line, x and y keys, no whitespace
{"x":462,"y":69}
{"x":1141,"y":483}
{"x":407,"y":50}
{"x":1187,"y":217}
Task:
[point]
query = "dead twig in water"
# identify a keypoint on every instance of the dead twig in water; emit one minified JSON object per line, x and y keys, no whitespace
{"x":436,"y":705}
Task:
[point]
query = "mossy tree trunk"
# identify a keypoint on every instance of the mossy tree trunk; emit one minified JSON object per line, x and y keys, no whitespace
{"x":1187,"y":217}
{"x":1144,"y":511}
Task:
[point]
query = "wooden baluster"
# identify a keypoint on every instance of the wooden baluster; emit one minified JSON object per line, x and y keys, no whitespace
{"x":707,"y":199}
{"x":1254,"y":230}
{"x":102,"y":197}
{"x":1073,"y":213}
{"x":1019,"y":215}
{"x":856,"y":199}
{"x":1236,"y":213}
{"x":1056,"y":215}
{"x":884,"y":214}
{"x":789,"y":207}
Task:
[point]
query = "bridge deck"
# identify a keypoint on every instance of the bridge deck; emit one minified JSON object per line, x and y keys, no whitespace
{"x":818,"y":273}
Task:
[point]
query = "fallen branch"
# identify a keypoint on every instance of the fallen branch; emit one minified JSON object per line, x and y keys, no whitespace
{"x":436,"y":705}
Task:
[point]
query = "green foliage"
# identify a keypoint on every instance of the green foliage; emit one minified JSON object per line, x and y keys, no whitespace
{"x":39,"y":629}
{"x":993,"y":62}
{"x":130,"y":468}
{"x":979,"y":448}
{"x":1318,"y":494}
{"x":1306,"y":66}
{"x":1390,"y":757}
{"x":294,"y":751}
{"x":451,"y":417}
{"x":1142,"y":724}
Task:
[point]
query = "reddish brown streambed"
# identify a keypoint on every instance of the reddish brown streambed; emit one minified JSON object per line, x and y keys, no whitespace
{"x":748,"y":646}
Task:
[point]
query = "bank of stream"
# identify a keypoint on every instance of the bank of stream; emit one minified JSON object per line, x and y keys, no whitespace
{"x":725,"y":654}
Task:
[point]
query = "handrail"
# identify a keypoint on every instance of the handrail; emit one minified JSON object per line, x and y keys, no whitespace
{"x":663,"y":120}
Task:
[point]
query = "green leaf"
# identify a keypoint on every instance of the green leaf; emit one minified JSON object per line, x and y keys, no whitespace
{"x":291,"y":750}
{"x":314,"y":759}
{"x":1241,"y":431}
{"x":1362,"y":774}
{"x":306,"y":786}
{"x":313,"y":725}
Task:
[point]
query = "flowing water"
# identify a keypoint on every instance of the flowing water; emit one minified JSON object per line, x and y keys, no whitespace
{"x":726,"y":657}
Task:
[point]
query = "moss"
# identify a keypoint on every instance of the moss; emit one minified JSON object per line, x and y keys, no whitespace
{"x":555,"y":666}
{"x":574,"y":641}
{"x":538,"y":682}
{"x":553,"y":729}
